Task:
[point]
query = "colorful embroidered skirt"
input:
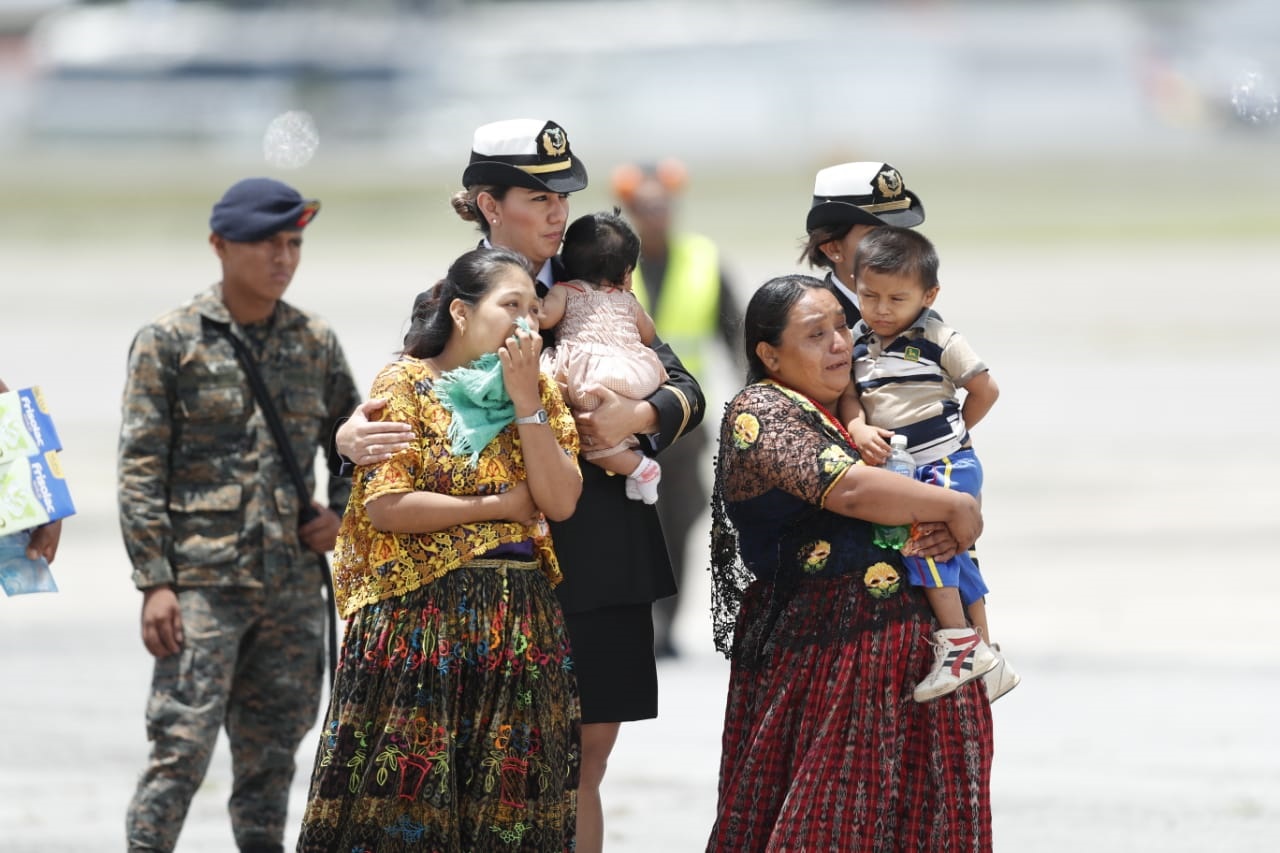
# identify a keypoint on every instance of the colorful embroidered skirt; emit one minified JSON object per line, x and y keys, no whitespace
{"x":454,"y":723}
{"x":824,"y":748}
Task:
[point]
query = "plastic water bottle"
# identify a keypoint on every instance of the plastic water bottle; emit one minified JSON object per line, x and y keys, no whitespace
{"x":19,"y":575}
{"x":899,"y":462}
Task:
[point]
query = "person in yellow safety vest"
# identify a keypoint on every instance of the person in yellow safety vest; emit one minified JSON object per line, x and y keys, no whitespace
{"x":681,"y":283}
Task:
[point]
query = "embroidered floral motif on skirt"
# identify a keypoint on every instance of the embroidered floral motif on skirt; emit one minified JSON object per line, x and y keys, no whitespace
{"x":824,"y":747}
{"x":454,"y":724}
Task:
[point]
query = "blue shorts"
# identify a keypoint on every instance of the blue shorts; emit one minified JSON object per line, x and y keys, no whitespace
{"x":963,"y":472}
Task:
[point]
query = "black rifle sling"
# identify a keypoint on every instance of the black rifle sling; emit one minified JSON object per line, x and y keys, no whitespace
{"x":308,"y":512}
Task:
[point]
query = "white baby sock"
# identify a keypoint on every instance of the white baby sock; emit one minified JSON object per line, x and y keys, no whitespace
{"x":642,"y":483}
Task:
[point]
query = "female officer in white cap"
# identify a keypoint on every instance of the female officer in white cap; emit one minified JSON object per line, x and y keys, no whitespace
{"x":612,"y":552}
{"x":848,"y":201}
{"x":517,"y":187}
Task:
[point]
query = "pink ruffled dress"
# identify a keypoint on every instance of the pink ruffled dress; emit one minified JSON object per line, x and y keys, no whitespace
{"x":598,"y":341}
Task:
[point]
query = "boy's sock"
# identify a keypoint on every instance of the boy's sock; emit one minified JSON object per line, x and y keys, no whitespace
{"x":642,"y":483}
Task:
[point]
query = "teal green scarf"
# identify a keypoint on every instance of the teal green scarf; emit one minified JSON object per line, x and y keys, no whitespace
{"x":478,"y":399}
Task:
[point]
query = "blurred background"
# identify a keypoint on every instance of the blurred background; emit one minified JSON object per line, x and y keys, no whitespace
{"x":1100,"y":179}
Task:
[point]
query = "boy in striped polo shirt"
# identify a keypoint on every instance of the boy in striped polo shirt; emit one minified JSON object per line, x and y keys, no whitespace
{"x":907,"y":367}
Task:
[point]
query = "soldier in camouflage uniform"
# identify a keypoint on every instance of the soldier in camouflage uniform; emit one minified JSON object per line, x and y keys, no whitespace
{"x":233,"y":606}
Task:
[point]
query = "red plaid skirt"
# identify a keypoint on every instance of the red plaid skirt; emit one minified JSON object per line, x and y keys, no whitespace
{"x":825,"y":750}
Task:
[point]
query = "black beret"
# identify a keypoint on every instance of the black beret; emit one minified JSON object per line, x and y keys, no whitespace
{"x":257,"y":208}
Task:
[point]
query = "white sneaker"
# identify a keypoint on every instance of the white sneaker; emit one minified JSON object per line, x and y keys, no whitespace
{"x":1001,"y":678}
{"x":960,"y":656}
{"x":642,"y":483}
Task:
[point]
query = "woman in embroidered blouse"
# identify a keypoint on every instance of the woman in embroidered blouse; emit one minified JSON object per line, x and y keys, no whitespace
{"x":454,"y":721}
{"x":824,"y":747}
{"x":517,"y":185}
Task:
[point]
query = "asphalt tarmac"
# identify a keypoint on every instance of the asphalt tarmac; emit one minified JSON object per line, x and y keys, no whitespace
{"x":1129,"y":524}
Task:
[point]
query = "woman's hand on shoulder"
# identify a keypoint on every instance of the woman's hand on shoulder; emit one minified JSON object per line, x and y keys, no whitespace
{"x":368,"y":442}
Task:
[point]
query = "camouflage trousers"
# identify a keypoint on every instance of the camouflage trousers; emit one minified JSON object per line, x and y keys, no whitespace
{"x":251,"y":660}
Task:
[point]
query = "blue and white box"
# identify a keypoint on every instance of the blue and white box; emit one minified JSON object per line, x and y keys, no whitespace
{"x":26,"y":429}
{"x":33,"y":491}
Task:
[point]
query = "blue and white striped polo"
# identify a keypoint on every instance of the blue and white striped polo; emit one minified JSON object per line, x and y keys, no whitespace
{"x":909,"y":384}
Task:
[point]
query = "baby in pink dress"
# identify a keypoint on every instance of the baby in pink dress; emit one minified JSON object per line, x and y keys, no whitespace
{"x":603,"y":337}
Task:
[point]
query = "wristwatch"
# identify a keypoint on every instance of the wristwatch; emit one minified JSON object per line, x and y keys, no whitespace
{"x":538,"y":417}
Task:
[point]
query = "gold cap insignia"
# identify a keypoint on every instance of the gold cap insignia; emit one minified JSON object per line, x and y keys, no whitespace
{"x":554,"y":142}
{"x":889,"y":182}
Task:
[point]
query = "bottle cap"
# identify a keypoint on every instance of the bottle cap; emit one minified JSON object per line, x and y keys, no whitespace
{"x":898,"y":441}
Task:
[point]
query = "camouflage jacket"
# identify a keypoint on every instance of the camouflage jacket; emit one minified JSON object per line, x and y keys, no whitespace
{"x":205,"y":497}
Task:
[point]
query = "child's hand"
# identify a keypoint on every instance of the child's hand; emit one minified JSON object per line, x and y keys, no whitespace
{"x":873,"y":442}
{"x":932,"y":540}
